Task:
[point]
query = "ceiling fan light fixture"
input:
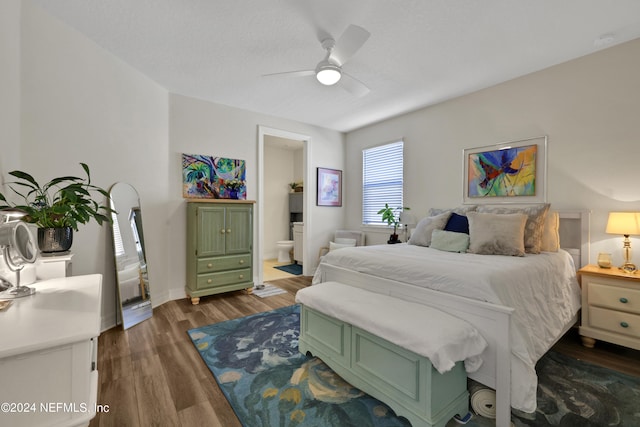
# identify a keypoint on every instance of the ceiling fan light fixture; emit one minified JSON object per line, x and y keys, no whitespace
{"x":328,"y":74}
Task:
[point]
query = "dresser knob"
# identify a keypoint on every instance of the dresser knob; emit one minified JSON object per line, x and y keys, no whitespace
{"x":209,"y":265}
{"x":624,"y":324}
{"x":228,"y":231}
{"x":624,"y":300}
{"x":241,"y":276}
{"x":222,"y":231}
{"x":241,"y":261}
{"x":209,"y":281}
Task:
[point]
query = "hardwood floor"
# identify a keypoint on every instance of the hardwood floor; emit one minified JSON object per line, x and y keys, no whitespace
{"x":152,"y":375}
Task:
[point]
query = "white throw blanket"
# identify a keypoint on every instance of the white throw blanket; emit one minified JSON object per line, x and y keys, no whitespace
{"x":442,"y":338}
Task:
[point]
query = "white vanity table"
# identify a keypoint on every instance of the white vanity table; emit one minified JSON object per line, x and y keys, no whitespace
{"x":48,"y":354}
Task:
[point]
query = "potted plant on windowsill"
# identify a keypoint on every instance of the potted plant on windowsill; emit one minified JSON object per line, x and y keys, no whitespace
{"x":57,"y":207}
{"x":392,"y":217}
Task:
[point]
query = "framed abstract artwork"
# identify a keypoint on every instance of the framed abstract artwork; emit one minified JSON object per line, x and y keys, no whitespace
{"x":208,"y":177}
{"x":329,"y":191}
{"x":509,"y":172}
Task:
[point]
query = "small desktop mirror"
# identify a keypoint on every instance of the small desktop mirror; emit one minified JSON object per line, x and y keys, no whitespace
{"x":134,"y":297}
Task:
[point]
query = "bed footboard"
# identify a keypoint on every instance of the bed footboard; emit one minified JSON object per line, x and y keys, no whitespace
{"x":493,"y":322}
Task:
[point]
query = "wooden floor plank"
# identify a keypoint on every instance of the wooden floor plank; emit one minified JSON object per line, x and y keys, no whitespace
{"x":151,"y":374}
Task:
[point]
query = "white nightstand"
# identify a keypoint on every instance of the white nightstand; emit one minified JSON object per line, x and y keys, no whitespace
{"x":610,"y":306}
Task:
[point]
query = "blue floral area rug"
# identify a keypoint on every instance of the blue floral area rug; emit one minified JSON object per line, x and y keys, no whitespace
{"x":269,"y":383}
{"x":256,"y":362}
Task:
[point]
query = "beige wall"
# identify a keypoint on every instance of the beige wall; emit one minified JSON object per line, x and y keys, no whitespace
{"x":589,"y":109}
{"x":81,"y":104}
{"x":201,"y":127}
{"x":9,"y":86}
{"x":78,"y":103}
{"x":278,"y":168}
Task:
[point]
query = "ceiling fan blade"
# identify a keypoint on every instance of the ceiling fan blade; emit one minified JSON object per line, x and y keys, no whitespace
{"x":353,"y":85}
{"x":301,"y":73}
{"x":350,"y":41}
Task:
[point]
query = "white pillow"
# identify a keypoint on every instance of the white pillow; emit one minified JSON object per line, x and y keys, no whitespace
{"x":550,"y":233}
{"x":345,"y":241}
{"x":536,"y":215}
{"x":496,"y":234}
{"x":422,"y":235}
{"x":334,"y":246}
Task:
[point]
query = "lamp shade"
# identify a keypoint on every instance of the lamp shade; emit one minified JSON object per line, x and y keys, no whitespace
{"x":625,"y":223}
{"x":406,"y":218}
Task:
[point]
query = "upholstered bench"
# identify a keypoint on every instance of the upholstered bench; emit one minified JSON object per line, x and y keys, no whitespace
{"x":407,"y":355}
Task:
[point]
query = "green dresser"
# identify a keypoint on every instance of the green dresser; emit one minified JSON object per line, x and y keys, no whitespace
{"x":219,"y":247}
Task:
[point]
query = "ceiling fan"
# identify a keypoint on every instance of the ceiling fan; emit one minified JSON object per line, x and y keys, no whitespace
{"x":329,"y":71}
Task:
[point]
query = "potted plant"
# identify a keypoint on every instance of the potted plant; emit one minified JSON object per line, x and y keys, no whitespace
{"x":296,"y":187}
{"x":57,"y":207}
{"x":392,"y":217}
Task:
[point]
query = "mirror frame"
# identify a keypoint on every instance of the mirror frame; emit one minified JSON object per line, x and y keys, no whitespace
{"x":131,"y":268}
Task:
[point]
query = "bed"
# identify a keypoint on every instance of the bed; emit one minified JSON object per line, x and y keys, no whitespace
{"x":521,"y":305}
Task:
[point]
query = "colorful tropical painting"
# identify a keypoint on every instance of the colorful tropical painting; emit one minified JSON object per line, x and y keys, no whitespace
{"x":207,"y":177}
{"x":503,"y":173}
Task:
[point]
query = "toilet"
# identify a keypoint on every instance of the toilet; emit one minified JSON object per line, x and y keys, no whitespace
{"x":284,"y":248}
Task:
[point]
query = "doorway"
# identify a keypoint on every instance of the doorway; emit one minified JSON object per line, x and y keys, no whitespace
{"x":266,"y":137}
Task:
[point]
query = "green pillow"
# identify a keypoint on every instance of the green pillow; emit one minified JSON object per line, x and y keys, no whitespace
{"x":449,"y":241}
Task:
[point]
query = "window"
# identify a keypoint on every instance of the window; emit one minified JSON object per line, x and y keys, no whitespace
{"x":382,"y":180}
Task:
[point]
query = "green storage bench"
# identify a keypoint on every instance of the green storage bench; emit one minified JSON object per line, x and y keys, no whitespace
{"x":391,"y":349}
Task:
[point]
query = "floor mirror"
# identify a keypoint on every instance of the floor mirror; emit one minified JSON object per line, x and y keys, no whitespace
{"x":132,"y":277}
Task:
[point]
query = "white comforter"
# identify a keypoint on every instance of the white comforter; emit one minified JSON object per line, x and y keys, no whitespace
{"x":542,"y":289}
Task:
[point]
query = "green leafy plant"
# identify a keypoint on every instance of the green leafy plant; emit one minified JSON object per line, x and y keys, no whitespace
{"x":392,"y":215}
{"x":62,"y":202}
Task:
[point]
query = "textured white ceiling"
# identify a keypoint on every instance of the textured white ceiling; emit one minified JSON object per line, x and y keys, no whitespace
{"x":420,"y":51}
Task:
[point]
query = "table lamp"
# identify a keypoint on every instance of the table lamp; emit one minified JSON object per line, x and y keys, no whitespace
{"x":625,"y":223}
{"x":406,"y":219}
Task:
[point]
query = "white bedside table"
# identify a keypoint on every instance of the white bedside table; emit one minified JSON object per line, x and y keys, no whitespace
{"x":610,"y":306}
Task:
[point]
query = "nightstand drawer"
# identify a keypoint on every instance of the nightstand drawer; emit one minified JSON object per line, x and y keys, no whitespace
{"x":209,"y":265}
{"x":615,"y":321}
{"x":205,"y":281}
{"x":614,"y":297}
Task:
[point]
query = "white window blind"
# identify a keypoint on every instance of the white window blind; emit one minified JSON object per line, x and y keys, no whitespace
{"x":117,"y":238}
{"x":382,"y":180}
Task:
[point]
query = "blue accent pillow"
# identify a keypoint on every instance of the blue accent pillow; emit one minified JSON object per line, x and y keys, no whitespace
{"x":457,"y":223}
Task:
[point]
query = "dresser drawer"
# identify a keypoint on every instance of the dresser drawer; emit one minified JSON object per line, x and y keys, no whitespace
{"x":210,"y":280}
{"x":614,"y":297}
{"x":615,"y":321}
{"x":209,"y":265}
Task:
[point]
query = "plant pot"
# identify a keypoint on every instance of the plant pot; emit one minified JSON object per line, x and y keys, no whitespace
{"x":51,"y":240}
{"x":393,"y":238}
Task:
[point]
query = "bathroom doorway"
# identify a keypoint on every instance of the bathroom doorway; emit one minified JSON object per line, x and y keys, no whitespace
{"x":282,"y":160}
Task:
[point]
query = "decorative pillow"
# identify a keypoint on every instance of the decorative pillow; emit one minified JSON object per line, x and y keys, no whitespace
{"x":496,"y":234}
{"x":345,"y":241}
{"x":461,"y":210}
{"x":334,"y":246}
{"x":422,"y":235}
{"x":536,"y":215}
{"x":449,"y":241}
{"x":550,"y":233}
{"x":457,"y":223}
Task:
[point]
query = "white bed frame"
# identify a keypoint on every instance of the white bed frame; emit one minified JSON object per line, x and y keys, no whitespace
{"x":490,"y":319}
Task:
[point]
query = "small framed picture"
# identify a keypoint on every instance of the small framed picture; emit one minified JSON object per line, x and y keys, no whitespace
{"x":329,"y":187}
